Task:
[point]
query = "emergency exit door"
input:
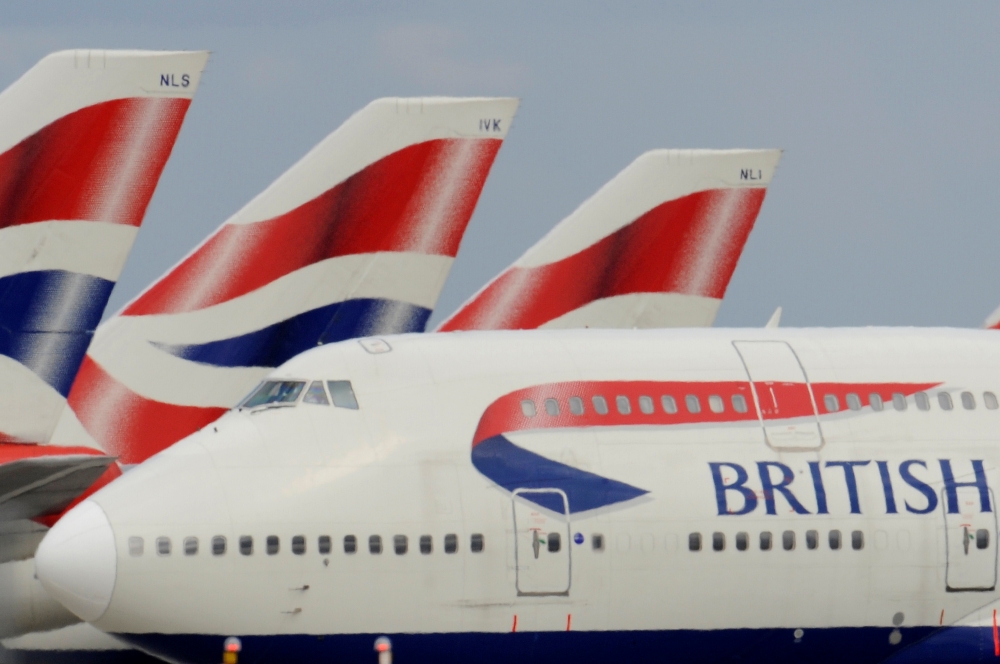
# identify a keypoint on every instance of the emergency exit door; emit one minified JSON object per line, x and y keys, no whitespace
{"x":781,"y":391}
{"x":542,"y":542}
{"x":971,"y":546}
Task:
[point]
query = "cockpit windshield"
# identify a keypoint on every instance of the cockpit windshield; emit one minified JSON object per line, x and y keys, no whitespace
{"x":274,"y":391}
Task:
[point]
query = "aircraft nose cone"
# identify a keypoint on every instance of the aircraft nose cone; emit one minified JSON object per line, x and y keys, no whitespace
{"x":77,"y":561}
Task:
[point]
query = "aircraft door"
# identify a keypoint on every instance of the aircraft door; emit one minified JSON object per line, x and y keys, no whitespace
{"x":971,"y":546}
{"x":782,"y":394}
{"x":542,"y":542}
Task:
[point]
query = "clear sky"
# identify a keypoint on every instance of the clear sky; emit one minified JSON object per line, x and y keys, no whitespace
{"x":883,"y":211}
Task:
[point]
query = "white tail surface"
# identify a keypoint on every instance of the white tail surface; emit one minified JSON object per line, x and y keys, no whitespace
{"x":355,"y":239}
{"x":84,"y":137}
{"x":655,"y":247}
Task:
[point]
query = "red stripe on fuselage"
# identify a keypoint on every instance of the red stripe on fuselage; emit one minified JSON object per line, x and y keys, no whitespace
{"x":126,"y":424}
{"x":505,"y":415}
{"x":394,"y":204}
{"x":100,"y":163}
{"x":663,"y":251}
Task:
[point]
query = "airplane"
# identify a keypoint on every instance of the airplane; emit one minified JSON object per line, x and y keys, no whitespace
{"x":702,"y":495}
{"x":654,"y":247}
{"x":84,"y":137}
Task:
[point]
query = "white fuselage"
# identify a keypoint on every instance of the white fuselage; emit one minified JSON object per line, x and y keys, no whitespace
{"x":660,"y":515}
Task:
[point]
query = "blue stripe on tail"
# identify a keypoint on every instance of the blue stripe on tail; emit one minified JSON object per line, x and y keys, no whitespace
{"x":47,"y":319}
{"x":275,"y":344}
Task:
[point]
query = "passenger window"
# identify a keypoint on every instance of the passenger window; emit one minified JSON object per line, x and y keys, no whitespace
{"x":375,"y":544}
{"x":692,"y":403}
{"x":857,"y":540}
{"x":922,"y":400}
{"x":898,"y":401}
{"x":831,"y":403}
{"x":426,"y":544}
{"x":274,"y":391}
{"x":597,"y":542}
{"x":944,"y":400}
{"x":646,"y":405}
{"x":450,"y":543}
{"x":342,"y":394}
{"x":246,"y":545}
{"x":324,"y":544}
{"x":694,"y":542}
{"x":718,"y":541}
{"x":554,"y":542}
{"x":875,"y":401}
{"x":190,"y":546}
{"x":716,"y":404}
{"x":788,"y":540}
{"x":742,"y":541}
{"x":576,"y":405}
{"x":669,"y":404}
{"x":990,"y":400}
{"x":400,"y":544}
{"x":812,"y":539}
{"x":135,"y":546}
{"x":834,"y":539}
{"x":218,"y":545}
{"x":622,"y":402}
{"x":350,"y":544}
{"x":272,"y":544}
{"x":163,"y":546}
{"x":600,"y":405}
{"x":853,"y":401}
{"x":552,"y":407}
{"x":299,"y":545}
{"x":528,"y":407}
{"x":982,"y":538}
{"x":476,"y":543}
{"x":968,"y":401}
{"x":316,"y":394}
{"x":739,"y":403}
{"x":765,"y":541}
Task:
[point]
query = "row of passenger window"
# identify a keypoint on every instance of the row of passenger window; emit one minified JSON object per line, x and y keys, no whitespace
{"x":717,"y":404}
{"x":834,"y":540}
{"x":324,"y":544}
{"x":921,"y":399}
{"x":287,"y":392}
{"x":623,"y":405}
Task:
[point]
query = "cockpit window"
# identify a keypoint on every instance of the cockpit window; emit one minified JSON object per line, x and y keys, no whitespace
{"x":316,"y":394}
{"x":343,"y":394}
{"x":275,"y":391}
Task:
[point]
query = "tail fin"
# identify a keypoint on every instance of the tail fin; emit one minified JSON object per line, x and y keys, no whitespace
{"x":655,"y":247}
{"x":355,"y":239}
{"x":84,"y":136}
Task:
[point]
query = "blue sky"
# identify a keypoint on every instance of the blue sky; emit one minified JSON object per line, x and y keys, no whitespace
{"x":883,"y":212}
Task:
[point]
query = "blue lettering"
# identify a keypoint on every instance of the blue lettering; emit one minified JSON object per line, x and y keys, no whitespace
{"x":764,"y":468}
{"x":890,"y":499}
{"x":851,"y":480}
{"x":749,"y":497}
{"x":164,"y":79}
{"x":951,"y":486}
{"x":922,"y":487}
{"x":185,"y":80}
{"x":818,"y":487}
{"x":496,"y":125}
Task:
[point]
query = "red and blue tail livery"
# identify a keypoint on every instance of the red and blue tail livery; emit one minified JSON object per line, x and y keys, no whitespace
{"x":84,"y":136}
{"x":355,"y":239}
{"x":655,"y":247}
